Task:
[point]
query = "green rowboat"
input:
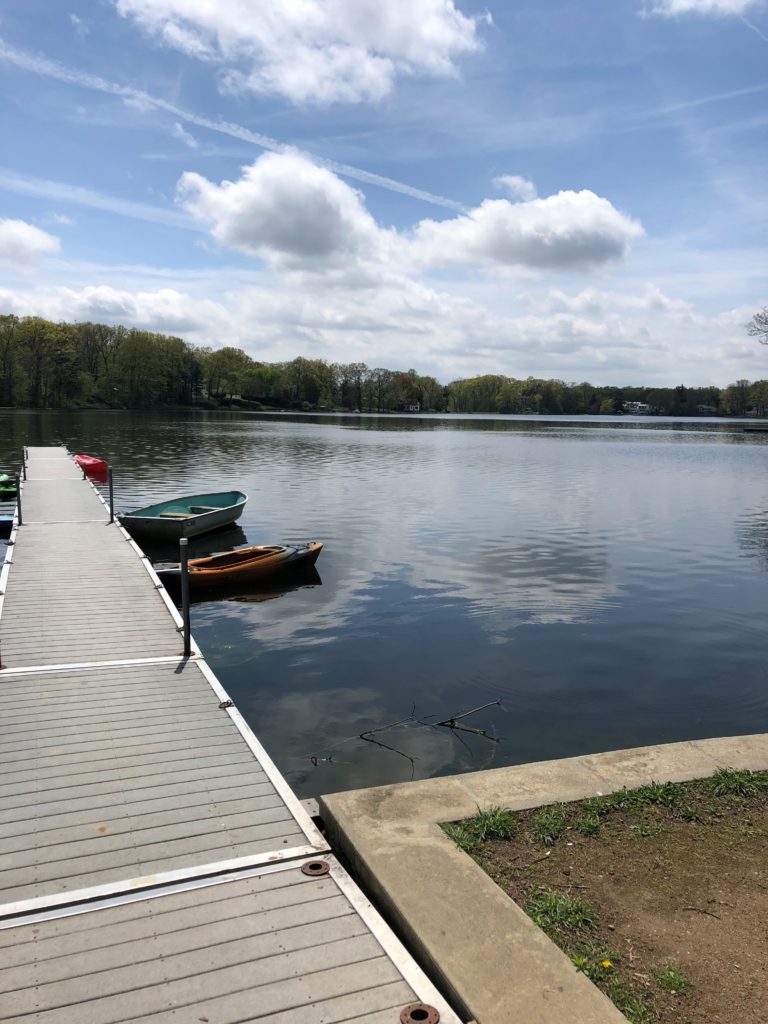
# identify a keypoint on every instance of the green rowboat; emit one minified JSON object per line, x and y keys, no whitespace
{"x":185,"y":517}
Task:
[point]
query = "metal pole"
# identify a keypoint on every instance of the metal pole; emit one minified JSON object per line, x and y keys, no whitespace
{"x":111,"y":496}
{"x":18,"y":499}
{"x":183,"y":551}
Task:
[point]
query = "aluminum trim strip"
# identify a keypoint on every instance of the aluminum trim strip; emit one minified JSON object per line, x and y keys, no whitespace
{"x":78,"y":901}
{"x":87,"y":666}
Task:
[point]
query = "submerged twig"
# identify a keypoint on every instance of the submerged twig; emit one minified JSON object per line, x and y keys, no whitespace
{"x":386,"y":746}
{"x":451,"y":722}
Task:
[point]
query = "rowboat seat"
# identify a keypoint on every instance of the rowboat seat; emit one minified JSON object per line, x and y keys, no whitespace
{"x":177,"y":515}
{"x":197,"y":509}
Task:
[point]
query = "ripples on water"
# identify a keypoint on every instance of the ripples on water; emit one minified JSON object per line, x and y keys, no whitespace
{"x":605,"y":579}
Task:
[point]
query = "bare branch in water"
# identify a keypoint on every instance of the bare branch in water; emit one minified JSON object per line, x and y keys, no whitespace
{"x":450,"y":723}
{"x":385,"y":746}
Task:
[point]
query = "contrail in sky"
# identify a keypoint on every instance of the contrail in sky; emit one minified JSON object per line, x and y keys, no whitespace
{"x":72,"y":76}
{"x":704,"y":100}
{"x":754,"y":28}
{"x":41,"y":188}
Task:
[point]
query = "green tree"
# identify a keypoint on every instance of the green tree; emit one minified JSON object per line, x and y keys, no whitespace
{"x":226,"y":371}
{"x":9,"y":345}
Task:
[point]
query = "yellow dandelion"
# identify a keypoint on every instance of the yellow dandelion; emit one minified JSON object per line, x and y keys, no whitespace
{"x":606,"y":964}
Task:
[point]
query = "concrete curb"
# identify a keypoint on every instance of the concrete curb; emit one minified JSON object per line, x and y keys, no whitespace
{"x":483,"y":950}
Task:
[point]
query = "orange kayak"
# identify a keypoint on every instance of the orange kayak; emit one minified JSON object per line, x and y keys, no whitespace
{"x":248,"y":565}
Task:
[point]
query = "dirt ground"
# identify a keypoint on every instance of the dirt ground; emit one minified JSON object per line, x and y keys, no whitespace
{"x":678,"y":895}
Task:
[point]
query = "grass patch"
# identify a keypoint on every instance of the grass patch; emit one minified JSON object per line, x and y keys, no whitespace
{"x":672,"y":979}
{"x":593,"y":959}
{"x":636,"y":1008}
{"x":462,"y":836}
{"x":645,"y":830}
{"x":735,"y":782}
{"x":549,"y":824}
{"x":588,"y":824}
{"x":664,"y":794}
{"x":493,"y":823}
{"x":555,"y":910}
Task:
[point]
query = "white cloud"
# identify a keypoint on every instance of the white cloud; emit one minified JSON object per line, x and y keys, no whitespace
{"x":286,"y":209}
{"x":289,"y":211}
{"x":23,"y":244}
{"x":635,"y":335}
{"x":62,"y":218}
{"x":567,"y":231}
{"x":79,"y":25}
{"x":517,"y":186}
{"x":316,"y":51}
{"x":163,"y":309}
{"x":720,"y":8}
{"x":179,"y":132}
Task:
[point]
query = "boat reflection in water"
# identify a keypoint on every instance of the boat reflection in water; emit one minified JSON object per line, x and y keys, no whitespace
{"x":226,"y":539}
{"x":298,"y":579}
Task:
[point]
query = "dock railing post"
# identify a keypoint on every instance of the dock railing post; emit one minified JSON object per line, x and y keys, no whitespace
{"x":18,"y":499}
{"x":183,"y":550}
{"x":111,"y":495}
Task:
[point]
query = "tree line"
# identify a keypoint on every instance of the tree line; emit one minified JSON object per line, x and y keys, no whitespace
{"x":53,"y":365}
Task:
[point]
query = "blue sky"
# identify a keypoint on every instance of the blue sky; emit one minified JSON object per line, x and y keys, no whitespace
{"x":572,"y":190}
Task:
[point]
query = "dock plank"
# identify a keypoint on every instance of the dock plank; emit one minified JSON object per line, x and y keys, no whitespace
{"x":100,"y":603}
{"x":121,"y":843}
{"x":277,"y":946}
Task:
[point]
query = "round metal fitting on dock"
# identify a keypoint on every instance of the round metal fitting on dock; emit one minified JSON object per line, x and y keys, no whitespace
{"x":316,"y":868}
{"x":419,"y":1013}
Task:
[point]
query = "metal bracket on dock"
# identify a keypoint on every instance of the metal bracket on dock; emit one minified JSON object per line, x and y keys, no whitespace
{"x":419,"y":1013}
{"x":316,"y":868}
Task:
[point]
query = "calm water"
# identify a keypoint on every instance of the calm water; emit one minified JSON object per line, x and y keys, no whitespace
{"x":605,"y":580}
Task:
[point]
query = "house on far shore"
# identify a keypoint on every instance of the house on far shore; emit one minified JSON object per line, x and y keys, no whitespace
{"x":706,"y":410}
{"x":412,"y":407}
{"x":637,"y":408}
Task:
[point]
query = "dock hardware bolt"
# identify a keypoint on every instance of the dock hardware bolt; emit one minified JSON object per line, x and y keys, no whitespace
{"x":419,"y":1013}
{"x":316,"y":868}
{"x":226,"y":704}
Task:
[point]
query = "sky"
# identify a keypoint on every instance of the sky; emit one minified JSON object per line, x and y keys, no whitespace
{"x":551,"y":188}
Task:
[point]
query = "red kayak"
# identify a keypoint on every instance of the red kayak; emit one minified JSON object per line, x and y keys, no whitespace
{"x":93,"y":467}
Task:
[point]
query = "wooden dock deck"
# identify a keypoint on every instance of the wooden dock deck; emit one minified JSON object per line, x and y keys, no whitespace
{"x":154,"y":864}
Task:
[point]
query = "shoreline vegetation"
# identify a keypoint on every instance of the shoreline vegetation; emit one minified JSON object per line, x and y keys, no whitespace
{"x":657,"y":894}
{"x":47,"y":365}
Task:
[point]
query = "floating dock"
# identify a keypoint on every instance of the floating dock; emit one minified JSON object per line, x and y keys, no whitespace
{"x":154,"y":864}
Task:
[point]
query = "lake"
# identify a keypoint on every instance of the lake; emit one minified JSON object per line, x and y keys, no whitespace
{"x":597,"y":583}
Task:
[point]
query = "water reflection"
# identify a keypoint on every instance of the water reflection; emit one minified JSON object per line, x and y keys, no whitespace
{"x":605,"y":579}
{"x":753,"y":534}
{"x":225,"y":539}
{"x":270,"y":590}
